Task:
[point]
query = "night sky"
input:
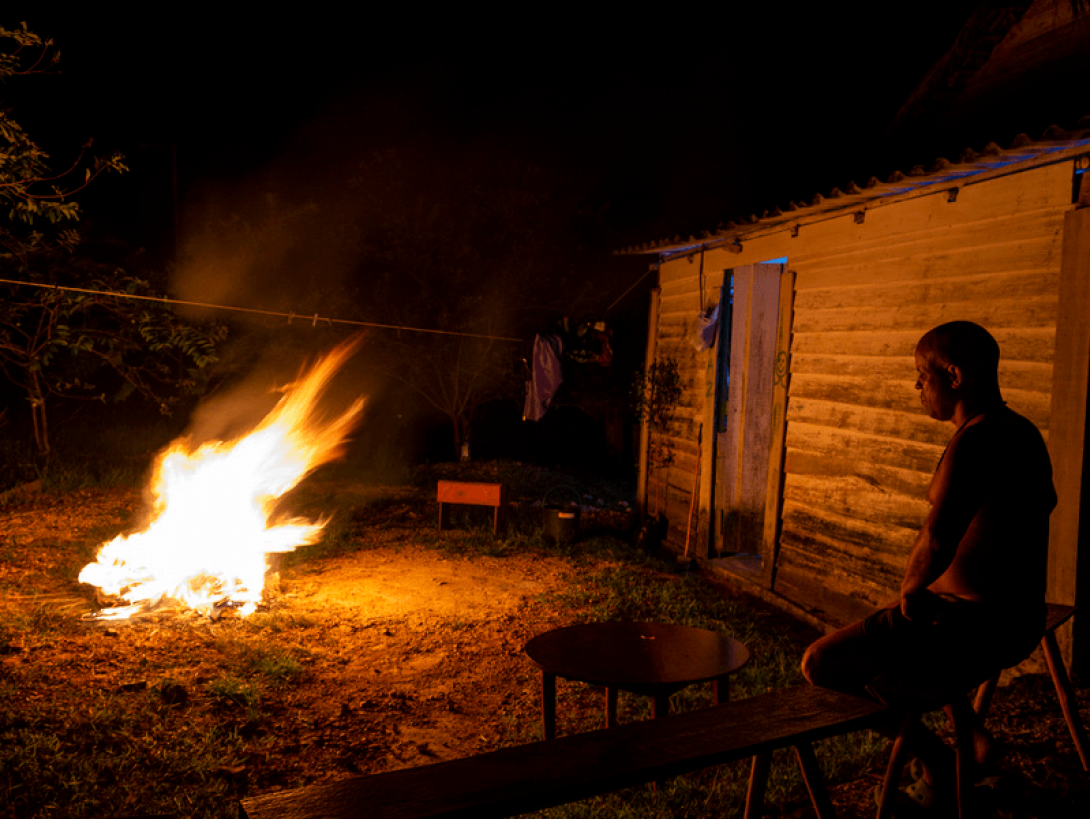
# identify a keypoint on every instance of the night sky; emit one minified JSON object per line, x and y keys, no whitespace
{"x":671,"y":120}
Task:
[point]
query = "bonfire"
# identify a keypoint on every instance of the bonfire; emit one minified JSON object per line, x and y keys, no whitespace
{"x":213,"y":520}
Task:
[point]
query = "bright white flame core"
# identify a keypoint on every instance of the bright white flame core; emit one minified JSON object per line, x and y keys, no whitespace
{"x":210,"y":533}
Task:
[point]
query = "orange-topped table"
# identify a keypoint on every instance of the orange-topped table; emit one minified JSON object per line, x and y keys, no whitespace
{"x":651,"y":659}
{"x":473,"y":494}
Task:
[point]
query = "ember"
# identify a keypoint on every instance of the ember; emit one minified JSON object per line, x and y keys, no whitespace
{"x":212,"y":525}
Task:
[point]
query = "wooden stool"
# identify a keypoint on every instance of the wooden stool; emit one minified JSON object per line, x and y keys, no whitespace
{"x":964,"y":713}
{"x":1065,"y":693}
{"x":472,"y":494}
{"x":961,"y":711}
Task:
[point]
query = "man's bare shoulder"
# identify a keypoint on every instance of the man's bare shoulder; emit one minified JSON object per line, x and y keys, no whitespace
{"x":1002,"y":454}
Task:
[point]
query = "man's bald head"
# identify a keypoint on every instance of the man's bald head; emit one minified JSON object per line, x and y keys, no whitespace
{"x":965,"y":345}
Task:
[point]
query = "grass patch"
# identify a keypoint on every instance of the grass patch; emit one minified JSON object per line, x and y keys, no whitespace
{"x":232,"y":692}
{"x":104,"y":758}
{"x":253,"y":659}
{"x":276,"y":667}
{"x":41,"y":625}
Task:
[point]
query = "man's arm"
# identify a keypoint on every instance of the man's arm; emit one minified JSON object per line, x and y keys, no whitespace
{"x":956,"y":494}
{"x":931,"y":555}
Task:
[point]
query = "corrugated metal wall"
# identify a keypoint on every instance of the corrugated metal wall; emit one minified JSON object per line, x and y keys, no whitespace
{"x":860,"y":450}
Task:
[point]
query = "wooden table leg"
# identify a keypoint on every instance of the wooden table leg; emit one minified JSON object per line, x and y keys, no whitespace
{"x":661,"y":706}
{"x":1066,"y":695}
{"x":815,"y":782}
{"x":982,"y":698}
{"x":721,"y":687}
{"x":897,"y":758}
{"x":611,"y":707}
{"x":548,"y":705}
{"x":758,"y":779}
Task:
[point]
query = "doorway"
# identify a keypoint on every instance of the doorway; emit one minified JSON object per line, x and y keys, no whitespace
{"x":749,"y":411}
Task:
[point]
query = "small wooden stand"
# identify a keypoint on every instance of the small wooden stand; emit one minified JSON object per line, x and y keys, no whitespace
{"x":472,"y":494}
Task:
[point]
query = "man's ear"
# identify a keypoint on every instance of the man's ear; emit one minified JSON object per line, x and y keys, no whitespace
{"x":954,"y":376}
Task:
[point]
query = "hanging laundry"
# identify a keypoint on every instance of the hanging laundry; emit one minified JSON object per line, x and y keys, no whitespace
{"x":590,"y":343}
{"x":707,"y":323}
{"x":546,"y":376}
{"x":594,"y":344}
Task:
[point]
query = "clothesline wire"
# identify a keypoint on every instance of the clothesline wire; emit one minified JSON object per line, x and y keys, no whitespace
{"x":254,"y":311}
{"x":630,"y":288}
{"x":292,"y":316}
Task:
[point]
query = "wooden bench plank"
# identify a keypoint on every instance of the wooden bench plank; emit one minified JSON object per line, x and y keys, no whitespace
{"x":543,"y":774}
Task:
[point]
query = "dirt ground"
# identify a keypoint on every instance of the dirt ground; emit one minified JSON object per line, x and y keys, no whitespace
{"x":408,"y":650}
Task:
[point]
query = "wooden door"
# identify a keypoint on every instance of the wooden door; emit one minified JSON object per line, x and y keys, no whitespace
{"x":746,"y":418}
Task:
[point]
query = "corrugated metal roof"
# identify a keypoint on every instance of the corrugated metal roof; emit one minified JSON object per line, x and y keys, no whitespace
{"x":1055,"y":145}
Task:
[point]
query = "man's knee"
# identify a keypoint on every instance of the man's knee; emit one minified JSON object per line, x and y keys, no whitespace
{"x":814,"y":666}
{"x":839,"y":661}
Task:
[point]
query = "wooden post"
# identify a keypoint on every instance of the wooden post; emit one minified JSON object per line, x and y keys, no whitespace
{"x":780,"y":378}
{"x":645,"y":429}
{"x":1067,"y":435}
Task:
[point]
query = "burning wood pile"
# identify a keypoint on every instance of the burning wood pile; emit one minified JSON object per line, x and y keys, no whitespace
{"x":213,"y":522}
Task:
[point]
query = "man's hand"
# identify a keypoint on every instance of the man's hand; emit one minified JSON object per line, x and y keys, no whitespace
{"x":921,"y":605}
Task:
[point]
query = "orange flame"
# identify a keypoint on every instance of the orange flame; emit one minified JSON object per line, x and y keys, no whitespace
{"x":210,"y":532}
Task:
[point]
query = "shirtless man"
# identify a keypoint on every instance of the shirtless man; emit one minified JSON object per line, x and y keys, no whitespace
{"x":973,"y":595}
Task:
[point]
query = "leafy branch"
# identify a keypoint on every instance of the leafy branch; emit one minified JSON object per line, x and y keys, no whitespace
{"x":28,"y":190}
{"x":56,"y":339}
{"x":655,"y":392}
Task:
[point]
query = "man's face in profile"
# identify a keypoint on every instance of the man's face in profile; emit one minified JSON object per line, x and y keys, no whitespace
{"x":936,"y":394}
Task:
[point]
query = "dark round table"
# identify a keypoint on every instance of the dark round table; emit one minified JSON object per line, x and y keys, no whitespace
{"x":652,"y":659}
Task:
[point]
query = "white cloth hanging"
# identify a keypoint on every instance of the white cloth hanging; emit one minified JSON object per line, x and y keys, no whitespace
{"x":707,"y":325}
